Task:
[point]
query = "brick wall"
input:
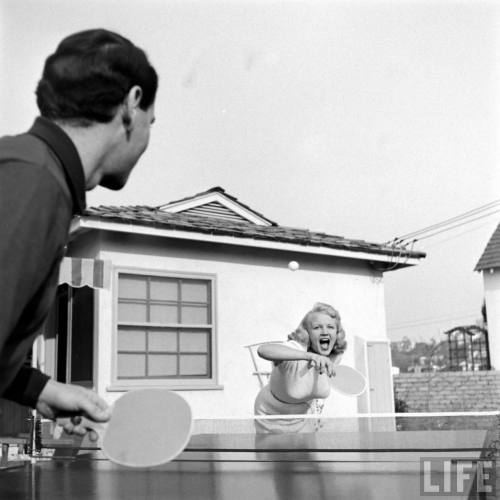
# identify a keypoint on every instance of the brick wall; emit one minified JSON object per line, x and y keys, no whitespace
{"x":449,"y":391}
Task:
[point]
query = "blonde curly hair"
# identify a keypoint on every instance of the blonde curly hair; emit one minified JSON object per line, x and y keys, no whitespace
{"x":301,"y":334}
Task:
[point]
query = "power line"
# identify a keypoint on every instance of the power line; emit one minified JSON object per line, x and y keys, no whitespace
{"x":430,"y":321}
{"x":465,"y":215}
{"x":477,"y":228}
{"x":455,"y":226}
{"x":459,"y":220}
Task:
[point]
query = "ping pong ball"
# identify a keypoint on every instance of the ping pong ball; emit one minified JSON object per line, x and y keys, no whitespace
{"x":293,"y":265}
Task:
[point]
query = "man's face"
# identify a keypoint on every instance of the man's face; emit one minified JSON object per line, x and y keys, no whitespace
{"x":126,"y":154}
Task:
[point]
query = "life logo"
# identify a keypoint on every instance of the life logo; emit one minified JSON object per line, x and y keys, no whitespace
{"x":457,"y":476}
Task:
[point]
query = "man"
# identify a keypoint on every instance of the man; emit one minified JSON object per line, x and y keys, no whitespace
{"x":96,"y":99}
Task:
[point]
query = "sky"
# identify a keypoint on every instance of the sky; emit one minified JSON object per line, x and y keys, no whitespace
{"x":366,"y":119}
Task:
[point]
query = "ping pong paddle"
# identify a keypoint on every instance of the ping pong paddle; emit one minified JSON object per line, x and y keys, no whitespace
{"x":348,"y":381}
{"x":147,"y":428}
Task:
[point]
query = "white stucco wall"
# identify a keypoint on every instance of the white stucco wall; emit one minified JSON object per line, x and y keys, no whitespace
{"x":492,"y":299}
{"x":257,"y":299}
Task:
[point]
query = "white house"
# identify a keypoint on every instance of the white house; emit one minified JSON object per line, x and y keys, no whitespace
{"x":489,"y":266}
{"x":178,"y":292}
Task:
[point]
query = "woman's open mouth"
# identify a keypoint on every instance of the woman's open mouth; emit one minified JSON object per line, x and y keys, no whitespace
{"x":324,"y":343}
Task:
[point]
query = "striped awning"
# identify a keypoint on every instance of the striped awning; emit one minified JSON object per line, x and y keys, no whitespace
{"x":78,"y":272}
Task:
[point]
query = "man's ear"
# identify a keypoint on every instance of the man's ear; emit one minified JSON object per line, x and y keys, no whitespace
{"x":132,"y":102}
{"x":130,"y":106}
{"x":134,"y":96}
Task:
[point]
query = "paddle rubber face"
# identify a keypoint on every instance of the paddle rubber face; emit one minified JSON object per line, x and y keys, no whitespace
{"x":148,"y":427}
{"x":348,"y":381}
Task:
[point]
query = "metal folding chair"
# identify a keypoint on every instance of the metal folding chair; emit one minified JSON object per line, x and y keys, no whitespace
{"x":262,"y":367}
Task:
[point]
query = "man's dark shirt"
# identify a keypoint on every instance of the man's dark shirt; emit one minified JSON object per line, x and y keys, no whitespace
{"x":42,"y":186}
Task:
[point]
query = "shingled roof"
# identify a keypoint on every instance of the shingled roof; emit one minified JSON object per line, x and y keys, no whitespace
{"x":159,"y":217}
{"x":491,"y":255}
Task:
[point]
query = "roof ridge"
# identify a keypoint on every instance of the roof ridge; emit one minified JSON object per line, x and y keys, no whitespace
{"x":215,"y":189}
{"x":222,"y":191}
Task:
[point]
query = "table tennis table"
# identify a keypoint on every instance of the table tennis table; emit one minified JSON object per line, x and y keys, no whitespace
{"x":397,"y":456}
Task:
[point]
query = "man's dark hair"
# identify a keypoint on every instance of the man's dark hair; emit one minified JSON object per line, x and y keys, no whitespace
{"x":90,"y":74}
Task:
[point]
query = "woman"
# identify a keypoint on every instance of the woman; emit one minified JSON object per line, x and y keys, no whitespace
{"x":301,"y":369}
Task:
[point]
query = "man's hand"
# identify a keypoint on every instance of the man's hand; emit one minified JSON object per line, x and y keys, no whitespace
{"x":57,"y":398}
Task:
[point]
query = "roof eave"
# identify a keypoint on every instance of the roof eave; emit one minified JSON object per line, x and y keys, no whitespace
{"x":487,"y":268}
{"x":391,"y":262}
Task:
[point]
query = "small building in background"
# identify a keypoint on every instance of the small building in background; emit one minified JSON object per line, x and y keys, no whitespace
{"x":175,"y":296}
{"x":489,"y":266}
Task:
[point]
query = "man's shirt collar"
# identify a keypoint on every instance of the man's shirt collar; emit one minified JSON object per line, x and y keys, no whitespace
{"x":67,"y":153}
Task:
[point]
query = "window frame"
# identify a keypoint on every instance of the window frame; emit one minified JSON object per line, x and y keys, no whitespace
{"x":186,"y":382}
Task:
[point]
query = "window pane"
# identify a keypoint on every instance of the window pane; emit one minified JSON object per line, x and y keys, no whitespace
{"x":162,"y":341}
{"x":132,"y":312}
{"x":164,"y":289}
{"x":194,"y":315}
{"x":194,"y":291}
{"x":194,"y":364}
{"x":162,"y":313}
{"x":131,"y":287}
{"x":131,"y":340}
{"x":131,"y":365}
{"x":193,"y":342}
{"x":162,"y":365}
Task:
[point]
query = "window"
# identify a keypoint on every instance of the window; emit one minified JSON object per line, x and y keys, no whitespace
{"x":165,"y":329}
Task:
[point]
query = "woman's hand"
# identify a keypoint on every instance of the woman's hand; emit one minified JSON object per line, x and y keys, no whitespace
{"x":322,"y":364}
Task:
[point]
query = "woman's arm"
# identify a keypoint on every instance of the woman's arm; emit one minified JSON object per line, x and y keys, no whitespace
{"x":279,"y":352}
